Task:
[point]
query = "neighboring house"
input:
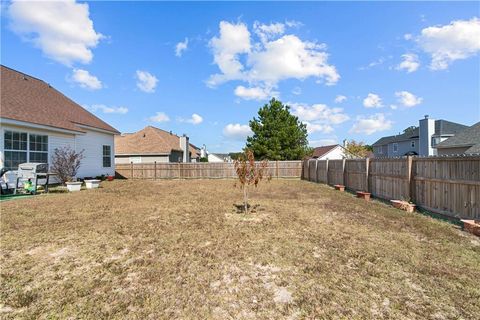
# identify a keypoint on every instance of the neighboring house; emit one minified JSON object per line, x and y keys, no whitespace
{"x":154,"y":145}
{"x":36,"y":119}
{"x":419,"y":140}
{"x":331,"y":152}
{"x":219,"y":157}
{"x":464,"y":142}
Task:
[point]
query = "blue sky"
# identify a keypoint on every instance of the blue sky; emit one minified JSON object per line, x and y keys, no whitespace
{"x":349,"y":70}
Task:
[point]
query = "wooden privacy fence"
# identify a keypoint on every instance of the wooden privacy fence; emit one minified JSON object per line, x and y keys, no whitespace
{"x":201,"y":170}
{"x":445,"y":185}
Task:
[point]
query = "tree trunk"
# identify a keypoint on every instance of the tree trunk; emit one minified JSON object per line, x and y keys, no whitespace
{"x":245,"y":198}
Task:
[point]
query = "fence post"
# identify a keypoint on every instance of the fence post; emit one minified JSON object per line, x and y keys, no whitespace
{"x":343,"y":172}
{"x":179,"y":170}
{"x":410,"y":180}
{"x":276,"y":168}
{"x":155,"y":170}
{"x":326,"y":172}
{"x":131,"y":169}
{"x":367,"y":165}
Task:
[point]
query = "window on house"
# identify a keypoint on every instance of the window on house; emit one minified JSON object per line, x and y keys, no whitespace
{"x":380,"y":150}
{"x":436,"y":140}
{"x":38,"y":151}
{"x":412,"y":144}
{"x":15,"y":149}
{"x":107,"y":156}
{"x":395,"y":147}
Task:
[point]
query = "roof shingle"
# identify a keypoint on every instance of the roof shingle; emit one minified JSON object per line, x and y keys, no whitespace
{"x":28,"y":99}
{"x":149,"y":140}
{"x":465,"y":138}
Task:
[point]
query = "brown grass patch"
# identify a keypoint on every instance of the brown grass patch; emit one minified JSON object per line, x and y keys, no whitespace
{"x":179,"y":249}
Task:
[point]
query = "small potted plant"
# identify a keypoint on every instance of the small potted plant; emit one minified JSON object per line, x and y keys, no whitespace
{"x":73,"y":186}
{"x":364,"y":195}
{"x":404,"y":205}
{"x":92,"y":183}
{"x":472,"y":226}
{"x":65,"y":163}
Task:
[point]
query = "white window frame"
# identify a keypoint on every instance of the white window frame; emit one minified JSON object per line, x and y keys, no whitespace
{"x":380,"y":149}
{"x":28,"y":133}
{"x":104,"y":156}
{"x":395,"y":147}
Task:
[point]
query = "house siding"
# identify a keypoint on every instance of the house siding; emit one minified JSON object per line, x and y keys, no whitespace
{"x":91,"y":142}
{"x":336,"y":153}
{"x":121,"y":159}
{"x":452,"y":151}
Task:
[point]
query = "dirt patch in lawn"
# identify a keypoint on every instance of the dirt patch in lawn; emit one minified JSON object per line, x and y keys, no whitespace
{"x":180,"y":249}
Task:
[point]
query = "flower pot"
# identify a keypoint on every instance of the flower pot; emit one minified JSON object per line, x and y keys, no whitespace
{"x":472,"y":226}
{"x":110,"y":178}
{"x":403,"y":205}
{"x":92,"y":184}
{"x":74,"y":186}
{"x":339,"y":187}
{"x":364,"y":195}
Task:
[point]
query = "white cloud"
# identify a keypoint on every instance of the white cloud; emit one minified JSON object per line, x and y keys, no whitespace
{"x":372,"y":101}
{"x":408,"y":99}
{"x":375,"y":63}
{"x":268,"y":31}
{"x":290,"y":57}
{"x":85,"y":80}
{"x":340,"y":98}
{"x":146,"y":81}
{"x":410,"y":63}
{"x":63,"y":30}
{"x":254,"y":93}
{"x":319,"y":113}
{"x":159,"y":117}
{"x":393,"y":107}
{"x":234,"y":39}
{"x":408,"y":36}
{"x":297,"y":91}
{"x":180,"y":47}
{"x":194,"y":119}
{"x":322,"y":142}
{"x":237,"y":131}
{"x":318,"y":117}
{"x":318,"y":127}
{"x":458,"y":40}
{"x":371,"y":124}
{"x":274,"y":58}
{"x":105,"y":109}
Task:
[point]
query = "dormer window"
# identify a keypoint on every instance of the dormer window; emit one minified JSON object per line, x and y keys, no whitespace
{"x":395,"y":147}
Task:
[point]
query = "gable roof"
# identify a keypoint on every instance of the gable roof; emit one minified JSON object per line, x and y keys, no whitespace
{"x":149,"y":140}
{"x":412,"y":134}
{"x":465,"y":138}
{"x":321,"y":151}
{"x":442,"y":127}
{"x":28,"y":99}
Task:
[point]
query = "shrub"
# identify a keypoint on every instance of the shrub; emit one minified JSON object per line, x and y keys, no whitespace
{"x":249,"y":173}
{"x":65,"y":163}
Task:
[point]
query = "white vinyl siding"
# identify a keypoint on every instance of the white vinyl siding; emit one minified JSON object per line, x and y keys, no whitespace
{"x":91,"y":142}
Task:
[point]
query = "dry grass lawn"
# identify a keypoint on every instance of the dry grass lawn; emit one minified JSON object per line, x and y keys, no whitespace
{"x":180,"y":249}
